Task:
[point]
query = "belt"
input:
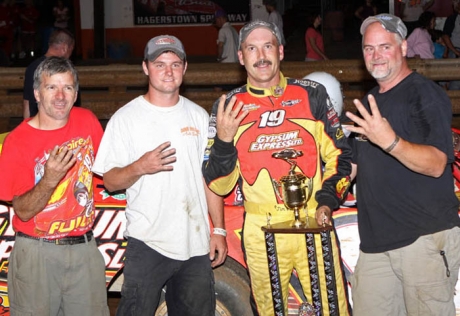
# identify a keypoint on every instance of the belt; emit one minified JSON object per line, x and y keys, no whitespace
{"x":71,"y":240}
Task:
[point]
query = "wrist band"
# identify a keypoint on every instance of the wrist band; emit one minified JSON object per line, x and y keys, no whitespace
{"x":219,"y":231}
{"x":393,"y":145}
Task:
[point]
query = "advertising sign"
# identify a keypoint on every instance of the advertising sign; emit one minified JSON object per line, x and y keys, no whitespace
{"x":180,"y":12}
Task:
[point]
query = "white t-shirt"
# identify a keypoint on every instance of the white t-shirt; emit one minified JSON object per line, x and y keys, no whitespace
{"x":412,"y":9}
{"x":229,"y":37}
{"x":276,"y":18}
{"x":166,"y":210}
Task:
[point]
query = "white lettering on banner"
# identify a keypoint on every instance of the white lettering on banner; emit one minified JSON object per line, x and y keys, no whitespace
{"x":168,"y":19}
{"x":112,"y":261}
{"x":110,"y":222}
{"x":5,"y":249}
{"x":3,"y":220}
{"x":237,"y":18}
{"x":188,"y":19}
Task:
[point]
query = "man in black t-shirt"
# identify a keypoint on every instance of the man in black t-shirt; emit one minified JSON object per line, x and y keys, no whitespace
{"x":61,"y":44}
{"x":407,"y":209}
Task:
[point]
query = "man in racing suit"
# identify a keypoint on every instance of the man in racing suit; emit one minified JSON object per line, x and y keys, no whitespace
{"x":269,"y":114}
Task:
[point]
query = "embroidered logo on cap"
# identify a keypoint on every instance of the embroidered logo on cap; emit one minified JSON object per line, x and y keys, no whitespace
{"x":165,"y":41}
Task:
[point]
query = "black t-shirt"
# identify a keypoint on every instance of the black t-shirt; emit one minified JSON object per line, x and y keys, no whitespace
{"x":395,"y":204}
{"x":28,"y":92}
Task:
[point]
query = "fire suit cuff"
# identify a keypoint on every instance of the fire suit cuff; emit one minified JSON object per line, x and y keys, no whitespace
{"x":223,"y":148}
{"x":328,"y":201}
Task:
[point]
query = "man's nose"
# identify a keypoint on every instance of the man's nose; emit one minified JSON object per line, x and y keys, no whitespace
{"x":168,"y":69}
{"x":60,"y":94}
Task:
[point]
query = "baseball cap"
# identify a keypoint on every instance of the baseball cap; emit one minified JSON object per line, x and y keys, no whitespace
{"x":160,"y":44}
{"x":251,"y":26}
{"x":220,"y":13}
{"x":389,"y":22}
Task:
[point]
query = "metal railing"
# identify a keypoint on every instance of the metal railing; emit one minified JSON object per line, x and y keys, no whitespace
{"x":104,"y":89}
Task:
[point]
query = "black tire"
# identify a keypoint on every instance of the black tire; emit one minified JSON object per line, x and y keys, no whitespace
{"x":232,"y":291}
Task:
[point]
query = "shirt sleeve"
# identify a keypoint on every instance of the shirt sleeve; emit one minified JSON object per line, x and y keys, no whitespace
{"x":11,"y":166}
{"x":112,"y":151}
{"x":219,"y":166}
{"x":221,"y":36}
{"x":449,"y":25}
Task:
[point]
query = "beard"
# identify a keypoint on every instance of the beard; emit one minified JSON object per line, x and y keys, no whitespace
{"x":379,"y":73}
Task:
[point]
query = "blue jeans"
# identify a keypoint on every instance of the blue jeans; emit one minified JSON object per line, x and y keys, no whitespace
{"x":189,"y":284}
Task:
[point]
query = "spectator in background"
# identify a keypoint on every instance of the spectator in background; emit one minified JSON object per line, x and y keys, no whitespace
{"x":451,"y":37}
{"x":6,"y":32}
{"x":419,"y":43}
{"x":275,"y":17}
{"x":61,"y":15}
{"x":440,"y":49}
{"x":410,"y":11}
{"x":227,"y":39}
{"x":14,"y":10}
{"x":61,"y":44}
{"x":29,"y":17}
{"x":366,"y":10}
{"x":314,"y":39}
{"x":227,"y":44}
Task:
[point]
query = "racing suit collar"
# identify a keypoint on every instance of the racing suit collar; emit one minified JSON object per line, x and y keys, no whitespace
{"x":275,"y":91}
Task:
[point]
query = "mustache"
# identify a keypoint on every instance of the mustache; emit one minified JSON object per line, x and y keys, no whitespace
{"x":262,"y":62}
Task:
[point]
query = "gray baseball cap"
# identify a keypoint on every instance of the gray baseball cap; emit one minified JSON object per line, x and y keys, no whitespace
{"x":389,"y":22}
{"x":163,"y":43}
{"x":251,"y":26}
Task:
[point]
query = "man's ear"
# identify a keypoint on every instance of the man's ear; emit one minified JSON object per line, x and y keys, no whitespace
{"x":144,"y":67}
{"x":185,"y":67}
{"x":37,"y":96}
{"x":404,"y":48}
{"x":281,"y":51}
{"x":240,"y":57}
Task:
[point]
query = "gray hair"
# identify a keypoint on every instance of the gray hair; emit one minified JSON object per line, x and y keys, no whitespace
{"x":61,"y":36}
{"x":55,"y":65}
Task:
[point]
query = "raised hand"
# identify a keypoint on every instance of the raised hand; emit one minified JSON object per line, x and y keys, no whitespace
{"x":157,"y":160}
{"x":229,"y":119}
{"x":60,"y":160}
{"x":372,"y":125}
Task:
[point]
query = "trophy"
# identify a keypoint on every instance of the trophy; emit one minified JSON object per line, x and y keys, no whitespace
{"x":296,"y":188}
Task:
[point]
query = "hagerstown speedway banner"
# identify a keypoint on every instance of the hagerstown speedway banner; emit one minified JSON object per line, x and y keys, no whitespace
{"x":178,"y":12}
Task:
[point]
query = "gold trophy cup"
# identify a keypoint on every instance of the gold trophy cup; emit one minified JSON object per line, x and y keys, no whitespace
{"x":296,"y":188}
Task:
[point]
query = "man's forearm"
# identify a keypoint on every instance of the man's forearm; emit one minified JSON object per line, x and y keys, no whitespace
{"x":215,"y":207}
{"x":220,"y":49}
{"x":117,"y":179}
{"x":33,"y":201}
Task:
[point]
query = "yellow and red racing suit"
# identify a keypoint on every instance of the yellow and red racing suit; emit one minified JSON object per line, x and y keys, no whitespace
{"x":295,"y":114}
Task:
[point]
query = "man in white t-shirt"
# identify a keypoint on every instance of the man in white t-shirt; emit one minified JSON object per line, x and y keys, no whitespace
{"x":153,"y":147}
{"x":410,"y":11}
{"x":227,"y":39}
{"x":275,"y":17}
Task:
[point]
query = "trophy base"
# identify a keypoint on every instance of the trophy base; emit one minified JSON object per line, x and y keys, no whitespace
{"x":290,"y":227}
